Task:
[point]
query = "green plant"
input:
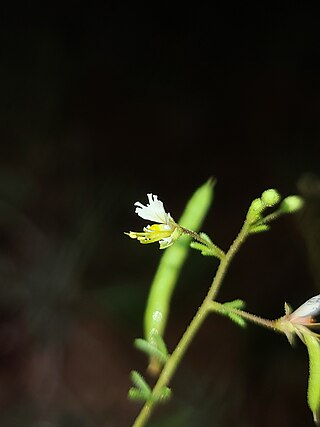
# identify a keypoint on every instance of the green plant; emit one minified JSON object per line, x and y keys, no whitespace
{"x":176,"y":238}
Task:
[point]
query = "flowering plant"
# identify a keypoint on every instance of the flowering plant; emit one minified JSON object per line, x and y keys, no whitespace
{"x":262,"y":211}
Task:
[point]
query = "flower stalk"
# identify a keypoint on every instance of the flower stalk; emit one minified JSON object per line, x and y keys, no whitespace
{"x":203,"y":311}
{"x":166,"y":231}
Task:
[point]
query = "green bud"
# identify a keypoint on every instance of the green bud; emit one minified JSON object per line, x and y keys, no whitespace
{"x":270,"y":197}
{"x":291,"y":204}
{"x":257,"y":205}
{"x":255,"y":210}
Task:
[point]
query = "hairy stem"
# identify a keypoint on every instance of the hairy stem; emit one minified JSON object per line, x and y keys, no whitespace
{"x":205,"y":308}
{"x":267,"y":323}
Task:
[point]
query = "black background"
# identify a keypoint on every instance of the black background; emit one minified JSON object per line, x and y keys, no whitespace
{"x":100,"y":105}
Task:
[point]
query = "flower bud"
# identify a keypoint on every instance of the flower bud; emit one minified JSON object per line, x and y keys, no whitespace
{"x":255,"y":210}
{"x":270,"y":197}
{"x":291,"y":204}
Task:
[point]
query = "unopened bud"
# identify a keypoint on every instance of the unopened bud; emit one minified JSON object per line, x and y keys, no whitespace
{"x":291,"y":204}
{"x":255,"y":210}
{"x":270,"y":197}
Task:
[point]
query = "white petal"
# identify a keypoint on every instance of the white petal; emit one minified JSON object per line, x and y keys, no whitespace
{"x":166,"y":242}
{"x":153,"y":211}
{"x":309,"y":308}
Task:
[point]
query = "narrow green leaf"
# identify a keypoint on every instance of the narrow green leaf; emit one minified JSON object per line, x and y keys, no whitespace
{"x":198,"y":246}
{"x":237,"y":319}
{"x":213,"y":250}
{"x":237,"y":303}
{"x":151,"y":350}
{"x":259,"y":228}
{"x":160,"y":344}
{"x":137,"y":395}
{"x":140,"y":383}
{"x":313,"y":347}
{"x":226,"y":310}
{"x":202,"y":248}
{"x":204,"y":236}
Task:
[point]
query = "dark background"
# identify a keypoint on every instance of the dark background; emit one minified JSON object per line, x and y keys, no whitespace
{"x":99,"y":106}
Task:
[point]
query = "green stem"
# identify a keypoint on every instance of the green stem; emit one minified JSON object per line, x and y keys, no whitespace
{"x":267,"y":323}
{"x":205,"y":308}
{"x":223,"y":267}
{"x":271,"y":217}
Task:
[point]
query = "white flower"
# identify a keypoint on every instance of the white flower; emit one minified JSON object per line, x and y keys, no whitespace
{"x":166,"y":232}
{"x":306,"y":313}
{"x":301,"y":320}
{"x":153,"y":211}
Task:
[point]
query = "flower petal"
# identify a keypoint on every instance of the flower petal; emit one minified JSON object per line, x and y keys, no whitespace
{"x":307,"y":310}
{"x":153,"y":211}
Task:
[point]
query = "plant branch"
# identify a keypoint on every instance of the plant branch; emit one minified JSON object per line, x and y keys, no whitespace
{"x":205,"y":308}
{"x":267,"y":323}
